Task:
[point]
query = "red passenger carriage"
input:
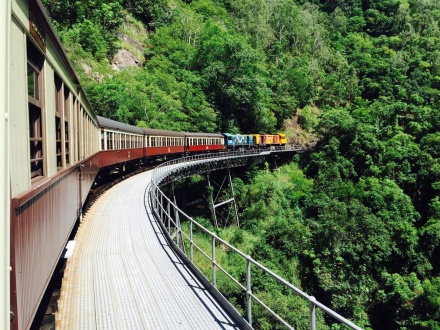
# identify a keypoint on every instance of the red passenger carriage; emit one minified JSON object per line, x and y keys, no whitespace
{"x":120,"y":143}
{"x":160,"y":142}
{"x":204,"y":142}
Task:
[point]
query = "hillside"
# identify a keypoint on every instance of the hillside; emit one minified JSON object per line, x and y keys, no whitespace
{"x":359,"y":80}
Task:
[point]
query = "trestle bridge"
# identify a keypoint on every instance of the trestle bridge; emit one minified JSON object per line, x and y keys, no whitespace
{"x":134,"y":261}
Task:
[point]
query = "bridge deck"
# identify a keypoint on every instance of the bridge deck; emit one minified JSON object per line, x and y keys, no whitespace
{"x":123,"y":274}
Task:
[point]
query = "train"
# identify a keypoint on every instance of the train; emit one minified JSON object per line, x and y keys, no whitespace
{"x":122,"y":144}
{"x":55,"y":147}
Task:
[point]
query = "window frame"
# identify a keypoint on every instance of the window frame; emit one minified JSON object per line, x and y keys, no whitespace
{"x":36,"y":115}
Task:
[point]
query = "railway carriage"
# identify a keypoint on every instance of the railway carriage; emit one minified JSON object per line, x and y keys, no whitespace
{"x":160,"y":142}
{"x":204,"y":142}
{"x":120,"y":143}
{"x":53,"y":152}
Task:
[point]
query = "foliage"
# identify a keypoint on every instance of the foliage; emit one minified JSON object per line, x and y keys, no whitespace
{"x":151,"y":12}
{"x":91,"y":25}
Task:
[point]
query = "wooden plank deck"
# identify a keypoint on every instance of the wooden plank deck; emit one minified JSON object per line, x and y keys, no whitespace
{"x":123,"y":275}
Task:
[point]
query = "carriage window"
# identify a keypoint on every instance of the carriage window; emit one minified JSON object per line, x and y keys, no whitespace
{"x":35,"y":90}
{"x":102,"y":140}
{"x":58,"y":112}
{"x":109,"y":141}
{"x":66,"y":124}
{"x":75,"y":129}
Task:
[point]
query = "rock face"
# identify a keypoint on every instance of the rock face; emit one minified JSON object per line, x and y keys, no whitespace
{"x":124,"y":58}
{"x":131,"y":41}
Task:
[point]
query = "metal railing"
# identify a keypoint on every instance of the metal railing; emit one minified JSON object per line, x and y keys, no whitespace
{"x":171,"y":217}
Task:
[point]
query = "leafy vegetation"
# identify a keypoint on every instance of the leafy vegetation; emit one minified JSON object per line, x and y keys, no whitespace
{"x":357,"y":220}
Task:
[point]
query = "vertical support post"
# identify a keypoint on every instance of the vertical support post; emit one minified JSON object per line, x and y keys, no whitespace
{"x":312,"y":313}
{"x":214,"y":278}
{"x":249,"y":290}
{"x":176,"y":219}
{"x":157,"y":200}
{"x":168,"y":216}
{"x":161,"y":208}
{"x":212,"y":202}
{"x":191,"y":248}
{"x":233,"y":196}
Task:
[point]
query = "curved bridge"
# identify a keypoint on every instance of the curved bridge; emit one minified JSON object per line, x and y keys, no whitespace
{"x":170,"y":217}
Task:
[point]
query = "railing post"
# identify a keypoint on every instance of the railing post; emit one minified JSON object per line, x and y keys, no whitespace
{"x":249,"y":290}
{"x":312,"y":313}
{"x":176,"y":218}
{"x":168,"y":217}
{"x":191,"y":241}
{"x":161,"y":208}
{"x":214,"y":279}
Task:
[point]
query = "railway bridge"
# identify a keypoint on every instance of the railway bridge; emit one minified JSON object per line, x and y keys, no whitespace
{"x":134,"y":262}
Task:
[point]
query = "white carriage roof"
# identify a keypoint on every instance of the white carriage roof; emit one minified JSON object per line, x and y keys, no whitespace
{"x":113,"y":124}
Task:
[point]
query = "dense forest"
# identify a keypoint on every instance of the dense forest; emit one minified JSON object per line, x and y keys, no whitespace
{"x":356,"y":219}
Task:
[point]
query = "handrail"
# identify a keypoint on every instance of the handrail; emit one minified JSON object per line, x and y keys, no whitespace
{"x":162,"y":205}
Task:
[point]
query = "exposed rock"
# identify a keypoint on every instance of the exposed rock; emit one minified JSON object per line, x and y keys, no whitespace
{"x":124,"y":58}
{"x":87,"y":69}
{"x":297,"y":135}
{"x":130,"y":41}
